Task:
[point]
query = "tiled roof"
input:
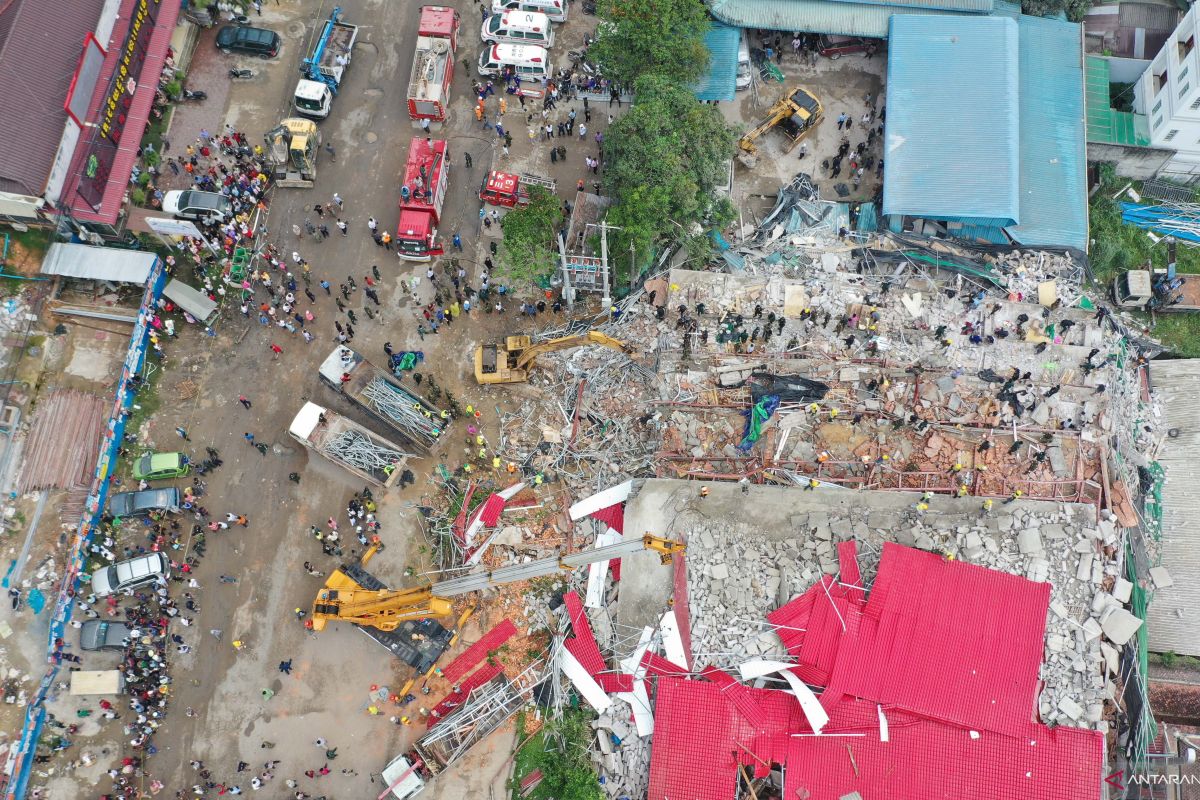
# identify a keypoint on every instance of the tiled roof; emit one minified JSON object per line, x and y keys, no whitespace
{"x":40,"y":45}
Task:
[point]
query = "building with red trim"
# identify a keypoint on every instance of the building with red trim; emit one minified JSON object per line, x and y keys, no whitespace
{"x":77,"y":82}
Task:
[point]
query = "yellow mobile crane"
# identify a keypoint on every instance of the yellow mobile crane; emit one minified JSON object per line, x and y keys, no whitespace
{"x":344,"y":599}
{"x":796,"y":113}
{"x":512,"y":361}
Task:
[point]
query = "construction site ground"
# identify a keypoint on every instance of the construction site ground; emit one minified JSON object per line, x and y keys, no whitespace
{"x":327,"y":693}
{"x":843,"y":86}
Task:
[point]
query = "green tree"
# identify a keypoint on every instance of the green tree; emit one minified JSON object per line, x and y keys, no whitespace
{"x":528,"y":249}
{"x":639,"y":37}
{"x":663,"y":160}
{"x":567,"y":773}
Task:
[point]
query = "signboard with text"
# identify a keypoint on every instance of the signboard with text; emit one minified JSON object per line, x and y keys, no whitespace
{"x":105,"y":135}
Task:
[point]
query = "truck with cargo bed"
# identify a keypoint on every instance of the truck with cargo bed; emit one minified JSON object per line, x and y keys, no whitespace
{"x":349,"y":445}
{"x":418,"y":421}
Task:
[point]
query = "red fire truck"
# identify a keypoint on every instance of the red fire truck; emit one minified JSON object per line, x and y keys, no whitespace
{"x":509,"y":190}
{"x":421,"y":196}
{"x":433,"y":63}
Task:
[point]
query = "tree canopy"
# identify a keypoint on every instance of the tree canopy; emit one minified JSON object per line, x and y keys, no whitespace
{"x":639,"y":37}
{"x":663,"y":160}
{"x":528,"y":249}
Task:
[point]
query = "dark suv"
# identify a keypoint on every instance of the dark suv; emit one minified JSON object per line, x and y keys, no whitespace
{"x":244,"y":39}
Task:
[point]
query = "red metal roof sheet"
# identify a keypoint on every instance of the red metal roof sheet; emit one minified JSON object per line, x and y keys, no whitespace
{"x":614,"y":681}
{"x":136,"y":115}
{"x":928,"y":760}
{"x":583,"y":646}
{"x":662,"y":667}
{"x":949,"y":640}
{"x":469,"y":658}
{"x":453,"y":700}
{"x":613,"y":516}
{"x":491,"y":509}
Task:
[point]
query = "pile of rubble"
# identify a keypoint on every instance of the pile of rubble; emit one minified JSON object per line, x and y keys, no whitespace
{"x":738,"y":571}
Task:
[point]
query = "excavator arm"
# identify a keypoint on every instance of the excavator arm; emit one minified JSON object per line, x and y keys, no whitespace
{"x":779,"y":112}
{"x":530,"y":354}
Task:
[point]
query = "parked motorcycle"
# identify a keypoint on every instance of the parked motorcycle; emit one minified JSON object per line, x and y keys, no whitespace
{"x":241,"y":74}
{"x":196,"y":96}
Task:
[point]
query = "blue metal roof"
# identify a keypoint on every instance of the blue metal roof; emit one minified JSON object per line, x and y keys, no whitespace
{"x":720,"y":82}
{"x":1053,"y":135}
{"x":830,"y":16}
{"x":951,"y":142}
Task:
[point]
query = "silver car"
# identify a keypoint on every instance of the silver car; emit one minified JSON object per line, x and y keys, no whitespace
{"x":99,"y":634}
{"x":130,"y":574}
{"x":132,"y":504}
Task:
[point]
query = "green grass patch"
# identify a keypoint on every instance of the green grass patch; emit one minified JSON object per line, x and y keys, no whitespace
{"x":147,"y":402}
{"x":36,"y":240}
{"x":1118,"y":247}
{"x":560,"y":751}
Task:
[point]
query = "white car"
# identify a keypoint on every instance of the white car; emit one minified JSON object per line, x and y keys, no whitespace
{"x":130,"y":574}
{"x":196,"y":205}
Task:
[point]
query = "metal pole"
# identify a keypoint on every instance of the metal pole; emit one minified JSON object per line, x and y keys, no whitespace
{"x":568,"y":291}
{"x":604,"y":263}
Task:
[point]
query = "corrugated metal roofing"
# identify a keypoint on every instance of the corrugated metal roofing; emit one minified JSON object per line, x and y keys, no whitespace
{"x":190,"y":299}
{"x":1053,"y":141}
{"x":1174,"y":614}
{"x":720,"y":82}
{"x":1151,"y":16}
{"x":1104,"y":124}
{"x":819,"y":16}
{"x":952,"y":137}
{"x":40,"y":48}
{"x":927,"y":760}
{"x":98,"y":263}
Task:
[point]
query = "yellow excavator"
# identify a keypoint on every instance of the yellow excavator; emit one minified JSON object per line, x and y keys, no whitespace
{"x":795,"y":114}
{"x":344,"y":598}
{"x":293,"y":145}
{"x":512,"y":361}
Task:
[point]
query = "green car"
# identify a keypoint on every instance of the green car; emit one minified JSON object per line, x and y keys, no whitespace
{"x":160,"y":466}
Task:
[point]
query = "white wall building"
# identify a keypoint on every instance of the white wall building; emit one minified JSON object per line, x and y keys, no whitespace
{"x":1168,"y":93}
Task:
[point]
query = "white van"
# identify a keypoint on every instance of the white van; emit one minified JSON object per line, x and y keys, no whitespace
{"x":745,"y":67}
{"x":519,"y":27}
{"x":529,"y":62}
{"x":556,"y":10}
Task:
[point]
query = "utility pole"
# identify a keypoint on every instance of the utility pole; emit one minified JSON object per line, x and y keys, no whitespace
{"x":568,"y":292}
{"x":604,"y":264}
{"x":632,"y":267}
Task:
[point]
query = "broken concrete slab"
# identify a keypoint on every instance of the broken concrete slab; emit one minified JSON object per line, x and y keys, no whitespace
{"x":1029,"y":541}
{"x":1120,"y":626}
{"x":1122,"y":590}
{"x":1161,"y":577}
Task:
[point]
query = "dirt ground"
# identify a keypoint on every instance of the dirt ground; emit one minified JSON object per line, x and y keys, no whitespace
{"x":327,"y":693}
{"x":842,"y":85}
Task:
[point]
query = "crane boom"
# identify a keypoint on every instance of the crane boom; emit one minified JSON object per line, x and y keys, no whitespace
{"x":343,"y":599}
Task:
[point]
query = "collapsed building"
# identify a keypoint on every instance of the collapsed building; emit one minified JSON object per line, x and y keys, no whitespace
{"x":917,"y":489}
